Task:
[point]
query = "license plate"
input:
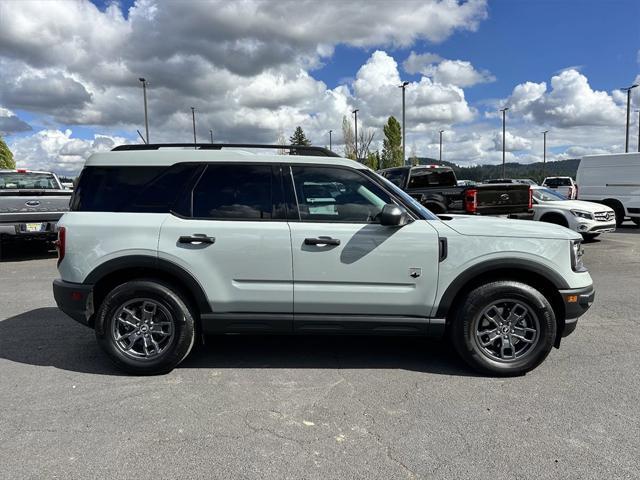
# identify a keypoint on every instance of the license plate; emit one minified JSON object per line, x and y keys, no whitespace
{"x":34,"y":227}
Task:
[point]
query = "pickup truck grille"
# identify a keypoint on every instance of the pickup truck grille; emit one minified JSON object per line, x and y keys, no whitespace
{"x":604,"y":216}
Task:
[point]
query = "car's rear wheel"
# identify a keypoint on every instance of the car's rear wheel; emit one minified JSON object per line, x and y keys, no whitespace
{"x":145,"y":327}
{"x":504,"y":328}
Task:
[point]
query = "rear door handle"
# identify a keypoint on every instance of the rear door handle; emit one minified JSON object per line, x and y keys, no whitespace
{"x":197,"y":238}
{"x":321,"y":241}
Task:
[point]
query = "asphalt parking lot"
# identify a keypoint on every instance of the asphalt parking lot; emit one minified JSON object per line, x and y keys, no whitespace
{"x":313,"y":407}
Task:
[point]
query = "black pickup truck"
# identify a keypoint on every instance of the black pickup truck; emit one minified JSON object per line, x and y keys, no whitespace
{"x":436,"y":187}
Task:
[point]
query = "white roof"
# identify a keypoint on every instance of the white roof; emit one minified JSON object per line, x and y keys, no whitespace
{"x":170,"y":156}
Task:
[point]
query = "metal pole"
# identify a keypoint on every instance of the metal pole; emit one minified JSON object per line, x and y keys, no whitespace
{"x":355,"y":112}
{"x":626,"y":138}
{"x":441,"y":144}
{"x":504,"y":111}
{"x":211,"y":133}
{"x":330,"y":145}
{"x":143,"y":140}
{"x":544,"y":153}
{"x":404,"y":156}
{"x":638,"y":130}
{"x":193,"y":117}
{"x":146,"y":116}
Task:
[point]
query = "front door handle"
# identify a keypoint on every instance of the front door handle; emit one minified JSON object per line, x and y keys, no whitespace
{"x":197,"y":238}
{"x":321,"y":241}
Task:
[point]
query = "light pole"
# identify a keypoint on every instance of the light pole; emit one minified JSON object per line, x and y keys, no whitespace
{"x":330,"y":145}
{"x":628,"y":90}
{"x":638,"y":130}
{"x":146,"y":117}
{"x":404,"y":157}
{"x":211,"y":133}
{"x":193,"y":117}
{"x":441,"y":144}
{"x":355,"y":113}
{"x":504,"y":115}
{"x":544,"y":153}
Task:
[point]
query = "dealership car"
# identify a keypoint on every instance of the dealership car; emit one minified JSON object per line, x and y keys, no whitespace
{"x":587,"y":218}
{"x":164,"y":242}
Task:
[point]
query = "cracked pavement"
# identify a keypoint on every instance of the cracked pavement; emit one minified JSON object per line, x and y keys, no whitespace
{"x":320,"y":407}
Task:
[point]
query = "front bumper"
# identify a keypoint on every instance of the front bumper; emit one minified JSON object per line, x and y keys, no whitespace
{"x":576,"y":302}
{"x":74,"y":299}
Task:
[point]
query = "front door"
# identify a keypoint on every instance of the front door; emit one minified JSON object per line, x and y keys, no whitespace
{"x":344,"y":262}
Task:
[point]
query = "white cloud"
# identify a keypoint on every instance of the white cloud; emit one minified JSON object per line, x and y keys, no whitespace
{"x":416,"y":63}
{"x":513,"y":142}
{"x":10,"y":123}
{"x":457,"y":72}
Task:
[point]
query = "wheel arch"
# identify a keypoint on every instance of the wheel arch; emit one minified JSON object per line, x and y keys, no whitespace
{"x":108,"y":275}
{"x":555,"y":214}
{"x":540,"y":277}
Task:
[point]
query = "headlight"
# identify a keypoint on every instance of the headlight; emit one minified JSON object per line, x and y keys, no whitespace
{"x":576,"y":256}
{"x":582,"y":214}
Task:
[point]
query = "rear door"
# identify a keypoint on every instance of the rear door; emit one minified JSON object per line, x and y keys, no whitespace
{"x":234,"y":239}
{"x":345,"y":263}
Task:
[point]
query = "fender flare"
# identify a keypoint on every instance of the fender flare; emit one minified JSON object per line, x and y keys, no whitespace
{"x":489,"y":266}
{"x":146,"y":261}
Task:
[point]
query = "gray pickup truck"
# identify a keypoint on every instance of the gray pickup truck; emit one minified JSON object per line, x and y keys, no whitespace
{"x":31,"y":203}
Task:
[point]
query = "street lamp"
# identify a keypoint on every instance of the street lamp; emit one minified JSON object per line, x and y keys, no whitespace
{"x":404,"y":157}
{"x":544,"y":153}
{"x":355,"y":113}
{"x":330,"y":145}
{"x":628,"y":90}
{"x":211,"y":133}
{"x":504,"y":112}
{"x":193,"y":117}
{"x":146,"y":117}
{"x":441,"y":144}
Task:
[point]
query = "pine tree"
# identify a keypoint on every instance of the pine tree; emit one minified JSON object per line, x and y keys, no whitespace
{"x":392,"y":144}
{"x":299,"y":138}
{"x":6,"y":157}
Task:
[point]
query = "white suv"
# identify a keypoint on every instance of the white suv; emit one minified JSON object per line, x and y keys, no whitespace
{"x":164,"y":244}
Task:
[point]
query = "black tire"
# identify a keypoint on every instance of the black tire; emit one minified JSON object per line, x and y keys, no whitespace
{"x":618,"y":209}
{"x":168,"y":306}
{"x":468,"y":318}
{"x":555,"y":219}
{"x":636,"y":221}
{"x":588,"y":237}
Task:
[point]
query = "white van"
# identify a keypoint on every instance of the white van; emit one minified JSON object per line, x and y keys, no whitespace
{"x":613,"y":180}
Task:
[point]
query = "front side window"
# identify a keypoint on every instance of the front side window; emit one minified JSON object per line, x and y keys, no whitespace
{"x":546,"y":195}
{"x":234,"y":192}
{"x":337,"y":195}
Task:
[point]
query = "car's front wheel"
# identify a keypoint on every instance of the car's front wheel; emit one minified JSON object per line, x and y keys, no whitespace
{"x":145,"y":327}
{"x":504,"y":328}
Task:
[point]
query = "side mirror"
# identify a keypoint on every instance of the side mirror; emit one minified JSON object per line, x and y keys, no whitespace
{"x":393,"y":216}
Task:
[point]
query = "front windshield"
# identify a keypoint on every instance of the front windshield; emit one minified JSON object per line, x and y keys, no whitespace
{"x":426,"y":214}
{"x":547,"y":195}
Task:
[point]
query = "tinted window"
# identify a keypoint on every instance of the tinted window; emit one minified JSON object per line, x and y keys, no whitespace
{"x":337,"y":195}
{"x":242,"y":192}
{"x":557,"y":182}
{"x":131,"y":189}
{"x":421,"y":178}
{"x":395,"y":176}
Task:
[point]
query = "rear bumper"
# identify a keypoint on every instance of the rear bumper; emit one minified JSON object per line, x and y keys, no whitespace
{"x":18,"y":231}
{"x":576,"y":302}
{"x":74,"y":299}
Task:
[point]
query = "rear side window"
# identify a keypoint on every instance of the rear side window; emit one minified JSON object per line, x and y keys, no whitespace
{"x":432,"y":178}
{"x":152,"y":189}
{"x":235,"y":192}
{"x":27,"y":180}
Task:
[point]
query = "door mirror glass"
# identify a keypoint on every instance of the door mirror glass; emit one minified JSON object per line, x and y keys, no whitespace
{"x":393,"y":216}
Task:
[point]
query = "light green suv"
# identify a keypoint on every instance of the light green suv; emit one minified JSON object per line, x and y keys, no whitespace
{"x":164,"y":244}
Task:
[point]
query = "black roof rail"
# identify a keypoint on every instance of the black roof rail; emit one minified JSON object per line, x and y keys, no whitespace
{"x":293,"y":149}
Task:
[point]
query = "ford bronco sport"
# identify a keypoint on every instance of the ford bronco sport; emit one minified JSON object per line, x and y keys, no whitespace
{"x":165,"y":244}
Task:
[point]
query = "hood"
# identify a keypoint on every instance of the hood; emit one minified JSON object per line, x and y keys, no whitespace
{"x":578,"y":205}
{"x":502,"y":227}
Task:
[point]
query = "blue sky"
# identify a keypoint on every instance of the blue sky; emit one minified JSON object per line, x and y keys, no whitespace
{"x":257,"y":69}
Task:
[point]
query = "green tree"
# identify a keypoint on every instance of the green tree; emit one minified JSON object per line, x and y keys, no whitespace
{"x":6,"y":157}
{"x":392,"y":144}
{"x":299,"y":138}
